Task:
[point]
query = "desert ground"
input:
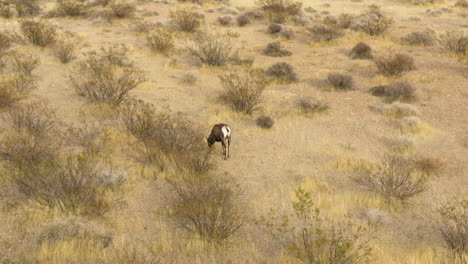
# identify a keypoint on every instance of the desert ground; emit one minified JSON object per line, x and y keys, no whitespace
{"x":81,"y":183}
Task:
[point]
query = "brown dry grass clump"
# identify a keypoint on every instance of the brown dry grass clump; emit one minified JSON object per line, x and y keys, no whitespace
{"x":243,"y":20}
{"x":121,"y":9}
{"x":361,"y":51}
{"x":454,"y":41}
{"x":340,"y":81}
{"x":71,"y":8}
{"x":374,"y":23}
{"x":282,"y":71}
{"x":65,"y":47}
{"x":274,"y":49}
{"x":27,"y":7}
{"x":394,"y":64}
{"x":418,"y":38}
{"x":309,"y":106}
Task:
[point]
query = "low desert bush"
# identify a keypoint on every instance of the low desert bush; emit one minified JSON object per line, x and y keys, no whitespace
{"x":116,"y":54}
{"x":374,"y":23}
{"x":6,"y":10}
{"x":15,"y":87}
{"x":72,"y":8}
{"x":160,"y":40}
{"x":243,"y":91}
{"x":345,"y":20}
{"x":452,"y":225}
{"x":265,"y":122}
{"x":340,"y":81}
{"x":454,"y":41}
{"x":287,"y":33}
{"x":40,"y":33}
{"x":186,"y":20}
{"x":208,"y":206}
{"x":243,"y":20}
{"x":394,"y":64}
{"x":225,"y":20}
{"x":27,"y":7}
{"x":211,"y":49}
{"x":282,"y":71}
{"x":422,"y":38}
{"x":121,"y":9}
{"x":315,"y":239}
{"x":24,"y":63}
{"x":92,"y":138}
{"x":322,"y":32}
{"x":400,"y":110}
{"x":274,"y":28}
{"x":309,"y":106}
{"x":394,"y":179}
{"x":462,"y":4}
{"x":274,"y":49}
{"x":279,"y":11}
{"x":100,"y":79}
{"x":411,"y":125}
{"x":139,"y":118}
{"x":361,"y":51}
{"x":188,"y":78}
{"x":397,"y":91}
{"x":65,"y":47}
{"x":5,"y":43}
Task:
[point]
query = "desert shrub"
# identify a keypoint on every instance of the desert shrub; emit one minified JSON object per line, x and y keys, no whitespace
{"x":24,"y":63}
{"x":393,"y":179}
{"x":361,"y":51}
{"x":65,"y":47}
{"x":243,"y":91}
{"x":397,"y":91}
{"x":116,"y":54}
{"x":186,"y":20}
{"x":38,"y":32}
{"x":400,"y":110}
{"x":345,"y":20}
{"x":211,"y":50}
{"x":160,"y":40}
{"x":121,"y":9}
{"x":143,"y":26}
{"x":6,"y":10}
{"x":330,"y":20}
{"x":243,"y":20}
{"x":324,"y":32}
{"x":100,"y":79}
{"x":374,"y":23}
{"x":394,"y":64}
{"x":27,"y":7}
{"x":274,"y":49}
{"x":103,"y":2}
{"x":188,"y":78}
{"x":5,"y":43}
{"x":207,"y":205}
{"x":73,"y":8}
{"x":340,"y":81}
{"x":225,"y":20}
{"x":315,"y":239}
{"x":14,"y":87}
{"x":287,"y":33}
{"x":462,"y":3}
{"x":452,"y":225}
{"x":264,"y":122}
{"x":139,"y":118}
{"x":92,"y":138}
{"x":282,"y":71}
{"x":454,"y":41}
{"x":411,"y":124}
{"x":308,"y":106}
{"x":279,"y":11}
{"x":274,"y":28}
{"x":418,"y":38}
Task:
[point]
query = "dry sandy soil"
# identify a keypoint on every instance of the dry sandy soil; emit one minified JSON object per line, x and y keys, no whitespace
{"x":318,"y":152}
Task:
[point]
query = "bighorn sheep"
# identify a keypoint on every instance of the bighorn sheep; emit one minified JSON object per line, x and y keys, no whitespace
{"x":221,"y":133}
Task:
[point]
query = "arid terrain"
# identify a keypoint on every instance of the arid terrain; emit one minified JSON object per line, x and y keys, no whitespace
{"x":349,"y":127}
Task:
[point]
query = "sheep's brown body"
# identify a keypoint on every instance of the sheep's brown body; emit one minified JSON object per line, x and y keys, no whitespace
{"x":221,"y":133}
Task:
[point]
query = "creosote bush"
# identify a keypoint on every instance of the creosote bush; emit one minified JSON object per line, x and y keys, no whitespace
{"x":323,"y":32}
{"x":186,"y":20}
{"x":225,"y":20}
{"x":454,"y":41}
{"x":394,"y":64}
{"x":274,"y":28}
{"x":315,"y":239}
{"x":72,"y":8}
{"x":279,"y":11}
{"x":24,"y":63}
{"x":102,"y":78}
{"x":394,"y":179}
{"x":207,"y":205}
{"x":65,"y":47}
{"x":340,"y":81}
{"x":160,"y":40}
{"x":40,"y":33}
{"x":345,"y":20}
{"x":121,"y":9}
{"x":27,"y":7}
{"x":211,"y":50}
{"x":452,"y":225}
{"x":310,"y":106}
{"x":422,"y":38}
{"x":243,"y":91}
{"x":361,"y":51}
{"x":374,"y":23}
{"x":265,"y":122}
{"x":397,"y":91}
{"x":282,"y":71}
{"x":274,"y":49}
{"x":243,"y":20}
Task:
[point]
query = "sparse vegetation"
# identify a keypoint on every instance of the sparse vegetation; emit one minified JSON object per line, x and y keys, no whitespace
{"x":374,"y":23}
{"x":274,"y":49}
{"x":340,"y":81}
{"x":282,"y":71}
{"x":393,"y":179}
{"x":186,"y":20}
{"x":279,"y":11}
{"x":225,"y":20}
{"x":161,"y":40}
{"x":40,"y":33}
{"x":361,"y":51}
{"x":400,"y":110}
{"x":243,"y":91}
{"x":419,"y":38}
{"x":121,"y":9}
{"x":323,"y":32}
{"x":243,"y":20}
{"x":394,"y":64}
{"x":454,"y":41}
{"x":452,"y":225}
{"x":397,"y":91}
{"x":274,"y":28}
{"x":345,"y":20}
{"x":71,"y":8}
{"x":265,"y":122}
{"x":309,"y":106}
{"x":65,"y":47}
{"x":211,"y":49}
{"x":27,"y":7}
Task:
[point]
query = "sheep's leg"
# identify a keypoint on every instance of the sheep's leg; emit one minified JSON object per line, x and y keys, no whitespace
{"x":223,"y":143}
{"x":228,"y":146}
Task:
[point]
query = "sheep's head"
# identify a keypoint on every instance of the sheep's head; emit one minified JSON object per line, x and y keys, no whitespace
{"x":210,"y":140}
